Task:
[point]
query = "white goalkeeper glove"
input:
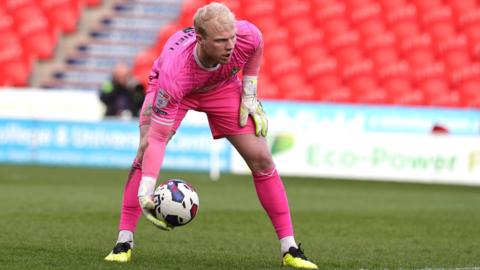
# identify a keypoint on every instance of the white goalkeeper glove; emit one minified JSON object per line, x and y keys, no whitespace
{"x":145,"y":198}
{"x":251,"y":106}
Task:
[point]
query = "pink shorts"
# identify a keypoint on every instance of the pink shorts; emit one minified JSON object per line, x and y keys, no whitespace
{"x":222,"y":106}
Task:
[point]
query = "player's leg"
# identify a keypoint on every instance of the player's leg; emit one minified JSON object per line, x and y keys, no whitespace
{"x":131,"y":211}
{"x":272,"y":195}
{"x":222,"y":107}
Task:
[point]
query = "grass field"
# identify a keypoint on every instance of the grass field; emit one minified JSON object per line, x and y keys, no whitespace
{"x":66,"y":218}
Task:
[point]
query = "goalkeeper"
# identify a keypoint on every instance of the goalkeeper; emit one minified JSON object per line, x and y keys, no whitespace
{"x":197,"y":70}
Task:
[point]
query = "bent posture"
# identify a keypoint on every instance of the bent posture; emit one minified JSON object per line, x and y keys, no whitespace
{"x":197,"y":70}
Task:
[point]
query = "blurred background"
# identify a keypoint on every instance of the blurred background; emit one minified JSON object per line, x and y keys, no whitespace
{"x":357,"y":89}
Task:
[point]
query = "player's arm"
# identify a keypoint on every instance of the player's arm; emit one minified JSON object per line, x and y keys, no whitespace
{"x":157,"y":138}
{"x":250,"y":104}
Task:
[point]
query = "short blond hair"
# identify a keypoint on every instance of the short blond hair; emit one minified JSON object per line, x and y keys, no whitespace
{"x":216,"y":13}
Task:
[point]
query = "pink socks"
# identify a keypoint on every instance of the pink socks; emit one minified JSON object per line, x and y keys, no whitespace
{"x":273,"y":198}
{"x":130,"y":207}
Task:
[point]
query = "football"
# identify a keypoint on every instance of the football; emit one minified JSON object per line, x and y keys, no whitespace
{"x":176,"y":202}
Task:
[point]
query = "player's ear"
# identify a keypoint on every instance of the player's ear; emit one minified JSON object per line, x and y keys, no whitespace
{"x":199,"y":38}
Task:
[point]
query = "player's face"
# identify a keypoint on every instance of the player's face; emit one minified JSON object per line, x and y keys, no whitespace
{"x":218,"y":44}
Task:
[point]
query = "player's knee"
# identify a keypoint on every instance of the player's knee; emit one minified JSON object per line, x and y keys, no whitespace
{"x":261,"y":162}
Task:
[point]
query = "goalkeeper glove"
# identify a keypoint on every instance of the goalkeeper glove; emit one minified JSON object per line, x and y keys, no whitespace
{"x":148,"y":206}
{"x":145,"y":198}
{"x":251,"y":106}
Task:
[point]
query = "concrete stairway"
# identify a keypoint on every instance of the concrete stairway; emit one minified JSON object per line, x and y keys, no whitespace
{"x":112,"y":33}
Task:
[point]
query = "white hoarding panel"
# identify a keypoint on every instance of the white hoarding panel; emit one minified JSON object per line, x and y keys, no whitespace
{"x":398,"y":157}
{"x":42,"y":104}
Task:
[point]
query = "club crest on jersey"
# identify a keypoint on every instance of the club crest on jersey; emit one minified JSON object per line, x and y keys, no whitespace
{"x":235,"y":70}
{"x":161,"y":101}
{"x":153,"y":75}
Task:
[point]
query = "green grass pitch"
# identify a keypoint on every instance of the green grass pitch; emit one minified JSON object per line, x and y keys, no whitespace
{"x":66,"y":218}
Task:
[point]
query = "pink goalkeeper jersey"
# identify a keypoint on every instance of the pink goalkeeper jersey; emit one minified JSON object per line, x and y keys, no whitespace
{"x":177,"y":72}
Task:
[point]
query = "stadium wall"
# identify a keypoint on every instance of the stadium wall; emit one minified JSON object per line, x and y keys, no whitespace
{"x":307,"y":139}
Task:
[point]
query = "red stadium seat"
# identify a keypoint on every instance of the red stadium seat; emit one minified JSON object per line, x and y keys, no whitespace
{"x":418,"y":51}
{"x":469,"y":23}
{"x":439,"y":23}
{"x":463,"y":6}
{"x":235,"y":7}
{"x":467,"y":80}
{"x":307,"y":40}
{"x":408,"y":98}
{"x":318,"y":4}
{"x":381,"y":49}
{"x":34,"y":31}
{"x":475,"y":51}
{"x":279,"y":67}
{"x":273,"y":38}
{"x":432,"y":80}
{"x":359,"y":77}
{"x":305,"y":34}
{"x":142,"y":65}
{"x":373,"y":96}
{"x":428,"y":5}
{"x":470,"y":88}
{"x":355,"y":4}
{"x":340,"y":94}
{"x":449,"y":99}
{"x":312,"y":55}
{"x":257,"y":9}
{"x":266,"y":24}
{"x":278,"y":50}
{"x":403,"y":22}
{"x":293,"y":87}
{"x":290,"y":10}
{"x":335,"y":27}
{"x":368,"y":20}
{"x":63,"y":14}
{"x":390,"y":5}
{"x":454,"y":52}
{"x":332,"y":18}
{"x":345,"y":47}
{"x":189,"y":7}
{"x":395,"y":78}
{"x":323,"y":75}
{"x":93,"y":3}
{"x":14,"y":68}
{"x":267,"y":89}
{"x":299,"y":25}
{"x":13,"y":5}
{"x":6,"y":21}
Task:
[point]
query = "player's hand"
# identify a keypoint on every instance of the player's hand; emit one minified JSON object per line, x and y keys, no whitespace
{"x":148,"y":206}
{"x":251,"y":106}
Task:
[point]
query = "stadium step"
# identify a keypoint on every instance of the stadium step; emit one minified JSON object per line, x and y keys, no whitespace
{"x":117,"y":34}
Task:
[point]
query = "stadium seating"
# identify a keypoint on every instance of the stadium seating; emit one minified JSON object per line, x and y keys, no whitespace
{"x":30,"y":30}
{"x":63,"y":14}
{"x":408,"y":52}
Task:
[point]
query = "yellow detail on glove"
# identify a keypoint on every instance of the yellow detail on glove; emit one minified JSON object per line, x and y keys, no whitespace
{"x":251,"y":106}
